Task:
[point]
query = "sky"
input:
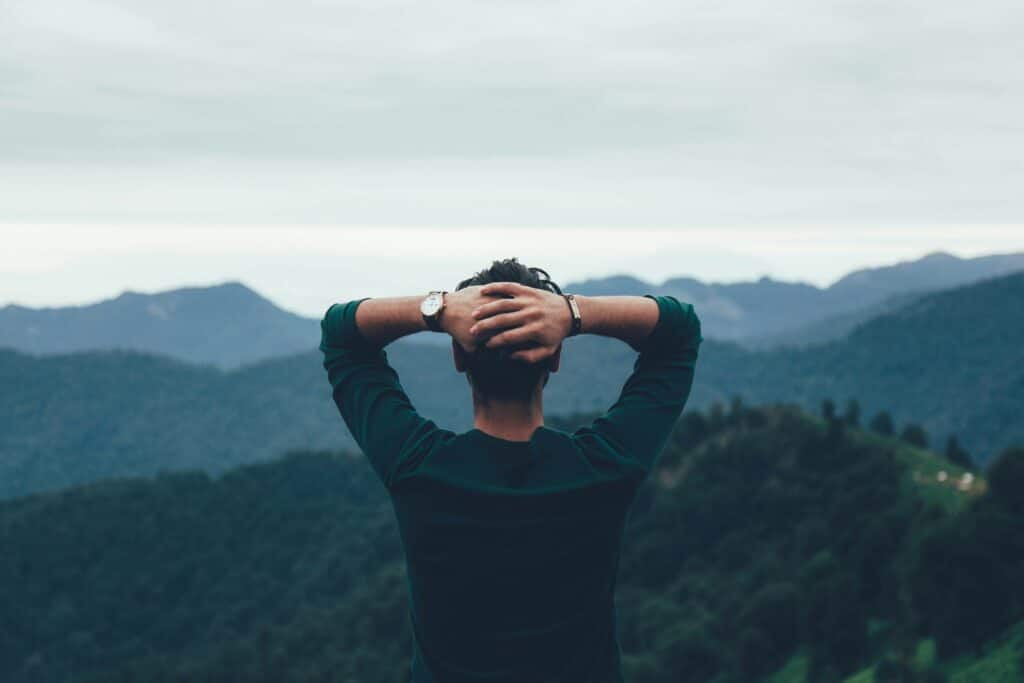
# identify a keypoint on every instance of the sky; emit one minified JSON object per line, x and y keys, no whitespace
{"x":306,"y":147}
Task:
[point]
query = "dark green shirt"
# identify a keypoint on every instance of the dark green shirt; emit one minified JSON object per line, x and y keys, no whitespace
{"x":512,"y":547}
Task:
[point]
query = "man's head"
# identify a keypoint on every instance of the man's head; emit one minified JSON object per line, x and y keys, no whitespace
{"x":492,"y":372}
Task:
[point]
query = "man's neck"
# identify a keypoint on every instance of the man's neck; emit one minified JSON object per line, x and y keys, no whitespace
{"x":513,"y":420}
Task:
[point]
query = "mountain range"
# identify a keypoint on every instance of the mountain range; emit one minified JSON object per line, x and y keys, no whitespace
{"x":230,"y":325}
{"x":770,"y":312}
{"x":949,"y":360}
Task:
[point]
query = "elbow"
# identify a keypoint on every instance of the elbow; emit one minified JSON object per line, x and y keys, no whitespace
{"x":693,"y":327}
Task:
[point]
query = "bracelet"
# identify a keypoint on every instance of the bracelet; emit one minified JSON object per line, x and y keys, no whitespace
{"x":577,"y":321}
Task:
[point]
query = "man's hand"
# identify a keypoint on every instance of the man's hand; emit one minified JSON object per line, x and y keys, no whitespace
{"x":535,"y":320}
{"x":457,"y":318}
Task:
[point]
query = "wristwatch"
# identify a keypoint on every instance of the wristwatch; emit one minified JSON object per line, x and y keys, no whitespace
{"x":432,"y":307}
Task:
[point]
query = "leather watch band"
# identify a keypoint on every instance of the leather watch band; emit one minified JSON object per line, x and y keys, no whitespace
{"x":577,"y":320}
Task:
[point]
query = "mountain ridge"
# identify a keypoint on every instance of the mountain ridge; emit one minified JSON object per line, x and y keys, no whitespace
{"x":767,"y":312}
{"x":229,"y":324}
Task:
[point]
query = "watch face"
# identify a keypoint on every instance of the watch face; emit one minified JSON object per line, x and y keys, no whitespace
{"x":431,"y":305}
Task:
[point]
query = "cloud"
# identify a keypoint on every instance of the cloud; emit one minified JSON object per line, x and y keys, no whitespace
{"x":655,"y":111}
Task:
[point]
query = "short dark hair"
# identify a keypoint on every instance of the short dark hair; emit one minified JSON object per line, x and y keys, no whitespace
{"x":494,"y":372}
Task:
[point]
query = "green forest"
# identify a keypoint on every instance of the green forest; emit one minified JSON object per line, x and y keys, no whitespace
{"x":769,"y":544}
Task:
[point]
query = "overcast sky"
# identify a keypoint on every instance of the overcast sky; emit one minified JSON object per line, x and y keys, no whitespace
{"x":727,"y":128}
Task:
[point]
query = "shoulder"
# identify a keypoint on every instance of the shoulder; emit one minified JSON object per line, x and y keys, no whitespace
{"x":605,"y":455}
{"x":423,"y":448}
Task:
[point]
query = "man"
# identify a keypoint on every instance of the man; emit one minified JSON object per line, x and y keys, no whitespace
{"x":512,"y":529}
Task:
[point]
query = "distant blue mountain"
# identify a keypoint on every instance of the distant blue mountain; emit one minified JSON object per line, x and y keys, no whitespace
{"x":769,"y":312}
{"x":224,"y":325}
{"x":230,"y":325}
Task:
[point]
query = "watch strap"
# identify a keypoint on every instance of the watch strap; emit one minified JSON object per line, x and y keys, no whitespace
{"x":577,"y":320}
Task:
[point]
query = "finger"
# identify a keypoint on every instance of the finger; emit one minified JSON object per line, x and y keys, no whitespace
{"x":534,"y":355}
{"x":507,"y":288}
{"x":499,"y":306}
{"x":499,"y":322}
{"x":516,"y":335}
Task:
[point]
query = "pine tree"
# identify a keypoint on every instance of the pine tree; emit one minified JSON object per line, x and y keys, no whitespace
{"x":915,"y":434}
{"x":852,"y":414}
{"x":956,"y":454}
{"x":736,"y":409}
{"x":828,"y":410}
{"x":716,"y":417}
{"x":1006,"y":479}
{"x":882,"y":424}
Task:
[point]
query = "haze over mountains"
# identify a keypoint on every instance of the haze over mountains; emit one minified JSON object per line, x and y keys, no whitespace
{"x":230,"y":325}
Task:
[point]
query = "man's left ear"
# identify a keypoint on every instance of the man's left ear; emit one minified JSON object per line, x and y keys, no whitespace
{"x":555,"y":359}
{"x":459,"y":356}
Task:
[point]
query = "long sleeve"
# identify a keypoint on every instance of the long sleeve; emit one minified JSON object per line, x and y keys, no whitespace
{"x":639,"y":423}
{"x":370,"y":397}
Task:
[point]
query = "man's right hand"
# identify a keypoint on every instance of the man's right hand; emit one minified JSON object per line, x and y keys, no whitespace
{"x":536,"y":320}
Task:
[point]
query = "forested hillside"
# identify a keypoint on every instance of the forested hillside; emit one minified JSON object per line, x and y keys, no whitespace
{"x":82,"y":417}
{"x":767,"y":543}
{"x":951,"y":361}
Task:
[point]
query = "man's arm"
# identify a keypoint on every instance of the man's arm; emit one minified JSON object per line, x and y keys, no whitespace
{"x":382,"y":321}
{"x":664,"y":330}
{"x":629,"y":318}
{"x":366,"y":389}
{"x":640,"y":421}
